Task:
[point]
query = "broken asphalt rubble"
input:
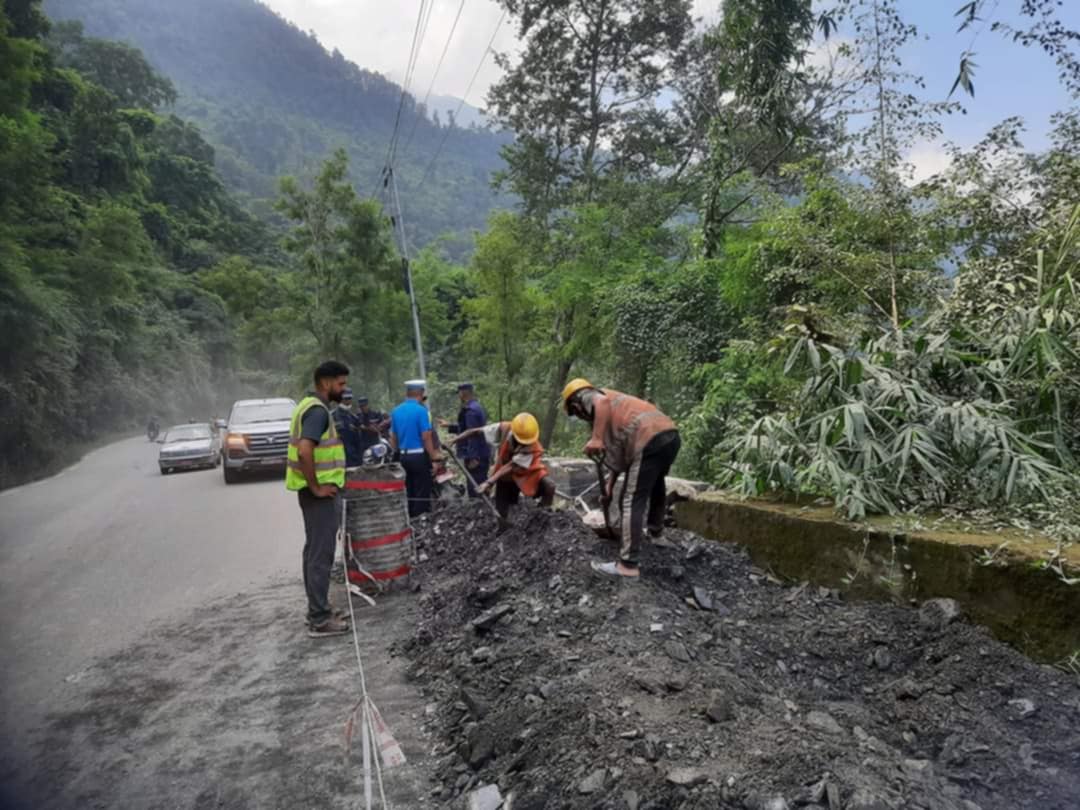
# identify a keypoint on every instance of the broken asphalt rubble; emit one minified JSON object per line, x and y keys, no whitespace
{"x":709,"y":684}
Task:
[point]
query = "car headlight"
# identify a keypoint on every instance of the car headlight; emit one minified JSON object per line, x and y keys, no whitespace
{"x":236,"y":441}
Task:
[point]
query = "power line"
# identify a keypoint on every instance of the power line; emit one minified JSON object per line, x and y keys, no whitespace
{"x":411,"y":74}
{"x":438,"y":67}
{"x":405,"y":82}
{"x":472,"y":81}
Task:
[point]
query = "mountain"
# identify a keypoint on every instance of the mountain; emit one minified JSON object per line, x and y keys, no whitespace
{"x":272,"y":101}
{"x":446,"y":106}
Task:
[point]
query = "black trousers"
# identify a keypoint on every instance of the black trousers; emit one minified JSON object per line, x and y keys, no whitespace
{"x":644,"y":495}
{"x":418,"y":482}
{"x":479,"y":473}
{"x":320,"y":532}
{"x":507,"y":494}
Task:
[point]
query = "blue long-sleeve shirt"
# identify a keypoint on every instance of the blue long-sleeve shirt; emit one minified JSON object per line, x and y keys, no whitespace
{"x":471,"y":416}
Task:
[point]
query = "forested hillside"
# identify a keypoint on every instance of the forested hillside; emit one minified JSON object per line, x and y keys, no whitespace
{"x":273,"y":101}
{"x":704,"y":217}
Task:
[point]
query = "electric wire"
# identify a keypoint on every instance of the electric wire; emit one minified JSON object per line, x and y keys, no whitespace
{"x":405,"y":82}
{"x":438,"y":67}
{"x":476,"y":74}
{"x":411,"y":72}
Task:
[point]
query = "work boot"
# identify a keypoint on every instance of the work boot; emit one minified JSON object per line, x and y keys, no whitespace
{"x":331,"y":627}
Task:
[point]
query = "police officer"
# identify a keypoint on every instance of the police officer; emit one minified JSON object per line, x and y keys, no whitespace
{"x":412,"y":437}
{"x":473,"y":450}
{"x":370,"y":424}
{"x":348,"y":429}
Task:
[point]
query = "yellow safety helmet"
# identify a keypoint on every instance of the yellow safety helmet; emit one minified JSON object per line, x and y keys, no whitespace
{"x":525,"y":428}
{"x":573,"y":387}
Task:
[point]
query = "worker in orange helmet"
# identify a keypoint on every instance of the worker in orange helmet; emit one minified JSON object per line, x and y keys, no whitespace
{"x":519,"y":464}
{"x":633,"y":438}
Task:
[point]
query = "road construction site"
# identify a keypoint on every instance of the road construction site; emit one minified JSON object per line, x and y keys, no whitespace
{"x":511,"y":675}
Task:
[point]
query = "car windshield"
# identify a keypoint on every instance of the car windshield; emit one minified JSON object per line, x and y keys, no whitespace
{"x":185,"y":433}
{"x":261,"y":412}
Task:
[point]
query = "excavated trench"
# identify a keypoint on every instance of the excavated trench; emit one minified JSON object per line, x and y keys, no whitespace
{"x":713,"y":684}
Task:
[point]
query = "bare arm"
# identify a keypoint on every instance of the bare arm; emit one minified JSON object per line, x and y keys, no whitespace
{"x":499,"y":474}
{"x":429,"y":446}
{"x":601,"y":417}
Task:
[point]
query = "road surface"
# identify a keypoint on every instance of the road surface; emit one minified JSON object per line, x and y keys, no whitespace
{"x":137,"y":611}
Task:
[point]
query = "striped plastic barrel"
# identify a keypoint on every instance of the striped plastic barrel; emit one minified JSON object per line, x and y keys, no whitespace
{"x":377,"y":524}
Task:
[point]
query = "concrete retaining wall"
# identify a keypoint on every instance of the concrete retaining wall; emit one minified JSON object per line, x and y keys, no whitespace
{"x":1030,"y":608}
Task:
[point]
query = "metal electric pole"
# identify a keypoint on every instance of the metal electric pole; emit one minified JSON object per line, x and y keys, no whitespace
{"x":408,"y":276}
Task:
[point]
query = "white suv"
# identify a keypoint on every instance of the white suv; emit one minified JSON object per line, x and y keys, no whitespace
{"x":256,"y":436}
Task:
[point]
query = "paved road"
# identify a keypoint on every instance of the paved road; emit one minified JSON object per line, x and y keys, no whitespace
{"x":128,"y":597}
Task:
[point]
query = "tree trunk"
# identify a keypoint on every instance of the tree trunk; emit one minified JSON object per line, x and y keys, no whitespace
{"x":562,"y":373}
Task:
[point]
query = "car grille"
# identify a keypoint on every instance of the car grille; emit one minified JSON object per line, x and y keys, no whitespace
{"x":268,"y":445}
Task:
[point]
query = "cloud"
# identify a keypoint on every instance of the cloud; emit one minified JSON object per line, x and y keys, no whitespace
{"x":927,"y":159}
{"x":377,"y":36}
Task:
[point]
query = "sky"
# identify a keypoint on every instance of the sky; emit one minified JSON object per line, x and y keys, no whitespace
{"x":1009,"y":80}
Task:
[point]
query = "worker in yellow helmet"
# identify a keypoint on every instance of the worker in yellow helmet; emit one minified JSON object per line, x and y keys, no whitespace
{"x":519,"y":464}
{"x":633,"y":438}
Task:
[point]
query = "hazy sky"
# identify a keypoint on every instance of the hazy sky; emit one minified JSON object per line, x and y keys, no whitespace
{"x":1010,"y":80}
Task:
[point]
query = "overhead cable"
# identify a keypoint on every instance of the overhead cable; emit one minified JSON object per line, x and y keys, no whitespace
{"x":461,"y":106}
{"x":438,"y":67}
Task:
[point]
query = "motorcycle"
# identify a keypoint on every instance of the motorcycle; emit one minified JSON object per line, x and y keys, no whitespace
{"x":152,"y":431}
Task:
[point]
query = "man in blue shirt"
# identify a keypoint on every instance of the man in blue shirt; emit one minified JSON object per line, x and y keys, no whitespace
{"x":474,"y":451}
{"x":412,"y":437}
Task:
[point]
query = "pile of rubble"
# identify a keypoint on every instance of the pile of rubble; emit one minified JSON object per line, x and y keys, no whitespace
{"x":710,"y":684}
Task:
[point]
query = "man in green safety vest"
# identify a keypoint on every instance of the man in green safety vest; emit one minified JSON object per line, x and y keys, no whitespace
{"x":316,"y":472}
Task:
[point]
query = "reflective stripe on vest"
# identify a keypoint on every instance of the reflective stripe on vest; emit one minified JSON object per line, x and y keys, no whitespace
{"x":329,"y":452}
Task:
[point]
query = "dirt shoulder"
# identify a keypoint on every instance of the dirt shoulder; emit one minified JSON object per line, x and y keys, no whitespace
{"x":233,"y":707}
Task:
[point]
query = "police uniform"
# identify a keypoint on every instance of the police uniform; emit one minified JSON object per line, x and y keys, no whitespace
{"x":475,"y":451}
{"x":409,"y":421}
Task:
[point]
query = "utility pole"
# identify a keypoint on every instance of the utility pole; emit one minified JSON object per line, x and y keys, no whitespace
{"x":408,"y":275}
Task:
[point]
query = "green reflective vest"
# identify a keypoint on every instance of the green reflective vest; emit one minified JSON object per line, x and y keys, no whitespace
{"x":329,"y":452}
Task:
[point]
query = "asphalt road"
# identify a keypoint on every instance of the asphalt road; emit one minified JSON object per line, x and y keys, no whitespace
{"x":127,"y":597}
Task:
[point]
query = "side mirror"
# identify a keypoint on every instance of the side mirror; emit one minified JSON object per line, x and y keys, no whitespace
{"x":220,"y":424}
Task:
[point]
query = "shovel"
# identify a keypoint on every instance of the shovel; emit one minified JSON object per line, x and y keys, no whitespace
{"x":468,"y":477}
{"x":605,"y":501}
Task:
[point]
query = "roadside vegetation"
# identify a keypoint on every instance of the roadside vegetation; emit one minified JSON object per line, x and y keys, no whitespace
{"x":721,"y":220}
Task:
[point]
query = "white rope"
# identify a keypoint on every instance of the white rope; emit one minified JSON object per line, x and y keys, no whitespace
{"x":367,"y":728}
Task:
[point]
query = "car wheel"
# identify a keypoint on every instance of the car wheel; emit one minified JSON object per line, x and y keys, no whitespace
{"x":231,"y":475}
{"x":165,"y":470}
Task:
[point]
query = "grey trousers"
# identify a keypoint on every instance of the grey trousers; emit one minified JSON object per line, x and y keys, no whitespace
{"x":321,"y":517}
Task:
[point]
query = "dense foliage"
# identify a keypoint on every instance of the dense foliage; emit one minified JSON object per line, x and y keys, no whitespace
{"x":106,"y":209}
{"x":273,"y":101}
{"x":705,"y":217}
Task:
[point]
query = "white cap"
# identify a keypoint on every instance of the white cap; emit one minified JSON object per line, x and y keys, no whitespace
{"x":415,"y":385}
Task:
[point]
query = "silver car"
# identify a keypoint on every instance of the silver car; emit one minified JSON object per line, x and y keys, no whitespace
{"x":257,"y":436}
{"x":189,"y":446}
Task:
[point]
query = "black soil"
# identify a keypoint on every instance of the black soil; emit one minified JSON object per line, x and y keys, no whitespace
{"x":569,"y":690}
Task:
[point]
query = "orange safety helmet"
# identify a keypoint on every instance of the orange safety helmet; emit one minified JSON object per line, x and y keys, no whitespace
{"x":573,"y":387}
{"x":525,"y":429}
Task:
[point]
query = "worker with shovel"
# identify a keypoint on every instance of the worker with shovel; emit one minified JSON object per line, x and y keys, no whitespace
{"x":634,"y":439}
{"x":519,"y":464}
